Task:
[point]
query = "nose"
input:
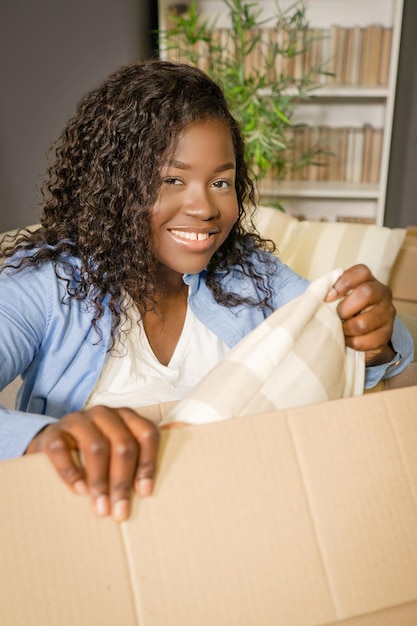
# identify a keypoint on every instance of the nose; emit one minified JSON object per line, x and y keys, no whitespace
{"x":201,"y":204}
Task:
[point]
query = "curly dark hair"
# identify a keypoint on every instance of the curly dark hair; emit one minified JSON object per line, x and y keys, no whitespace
{"x":105,"y":179}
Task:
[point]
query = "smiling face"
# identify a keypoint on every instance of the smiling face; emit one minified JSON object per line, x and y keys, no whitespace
{"x":197,"y":204}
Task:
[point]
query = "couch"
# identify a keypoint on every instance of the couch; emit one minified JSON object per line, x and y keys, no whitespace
{"x":313,"y":248}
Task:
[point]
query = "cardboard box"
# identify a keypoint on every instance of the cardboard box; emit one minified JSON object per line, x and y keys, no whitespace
{"x":302,"y":517}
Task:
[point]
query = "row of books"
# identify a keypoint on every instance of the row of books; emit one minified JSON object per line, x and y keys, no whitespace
{"x":335,"y":56}
{"x":350,"y":219}
{"x":346,"y":154}
{"x":360,"y":56}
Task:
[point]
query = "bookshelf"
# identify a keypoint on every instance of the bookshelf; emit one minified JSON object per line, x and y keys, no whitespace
{"x":350,"y":113}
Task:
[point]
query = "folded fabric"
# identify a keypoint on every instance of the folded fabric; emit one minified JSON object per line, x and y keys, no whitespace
{"x":297,"y":356}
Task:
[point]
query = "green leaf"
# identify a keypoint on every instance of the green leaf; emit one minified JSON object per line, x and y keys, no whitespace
{"x":262,"y":99}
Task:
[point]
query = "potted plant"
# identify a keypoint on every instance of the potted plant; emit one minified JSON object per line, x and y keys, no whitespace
{"x":265,"y":67}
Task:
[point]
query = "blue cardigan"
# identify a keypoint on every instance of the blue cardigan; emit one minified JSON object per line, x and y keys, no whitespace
{"x":57,"y":352}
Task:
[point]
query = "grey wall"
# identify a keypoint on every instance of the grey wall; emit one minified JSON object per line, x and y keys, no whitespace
{"x":51,"y":53}
{"x":401,"y":205}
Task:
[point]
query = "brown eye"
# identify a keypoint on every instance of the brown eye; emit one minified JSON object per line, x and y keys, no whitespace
{"x":222,"y":184}
{"x":172,"y":181}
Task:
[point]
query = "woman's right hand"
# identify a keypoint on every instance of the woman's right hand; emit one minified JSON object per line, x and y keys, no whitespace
{"x":118,"y":452}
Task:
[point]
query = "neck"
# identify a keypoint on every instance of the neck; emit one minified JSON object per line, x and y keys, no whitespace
{"x":170,"y":284}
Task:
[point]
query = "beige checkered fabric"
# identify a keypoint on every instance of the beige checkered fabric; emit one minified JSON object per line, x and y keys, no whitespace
{"x":297,"y":356}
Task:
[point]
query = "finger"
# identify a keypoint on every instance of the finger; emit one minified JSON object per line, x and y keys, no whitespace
{"x":365,"y":297}
{"x":133,"y":448}
{"x":124,"y":456}
{"x":60,"y":448}
{"x":147,"y":434}
{"x":372,"y":342}
{"x":350,"y":279}
{"x":94,"y":449}
{"x":172,"y":425}
{"x":365,"y":332}
{"x":368,"y":320}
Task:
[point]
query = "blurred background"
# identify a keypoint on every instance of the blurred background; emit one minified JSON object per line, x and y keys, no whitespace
{"x":53,"y":52}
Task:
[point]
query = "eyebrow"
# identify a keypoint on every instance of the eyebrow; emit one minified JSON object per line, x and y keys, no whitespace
{"x":184,"y":166}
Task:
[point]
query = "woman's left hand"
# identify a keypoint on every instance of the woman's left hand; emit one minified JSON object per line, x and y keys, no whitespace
{"x":367,"y":313}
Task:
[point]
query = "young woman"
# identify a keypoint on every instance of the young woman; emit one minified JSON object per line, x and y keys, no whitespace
{"x":145,"y":270}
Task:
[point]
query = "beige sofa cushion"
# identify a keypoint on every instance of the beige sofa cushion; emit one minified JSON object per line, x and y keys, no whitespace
{"x":314,"y":248}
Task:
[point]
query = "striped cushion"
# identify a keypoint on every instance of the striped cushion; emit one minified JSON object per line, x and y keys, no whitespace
{"x":296,"y":356}
{"x":314,"y":248}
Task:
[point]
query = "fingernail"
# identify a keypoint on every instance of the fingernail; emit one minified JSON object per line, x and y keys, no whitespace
{"x":120,"y":510}
{"x":80,"y":487}
{"x":331,"y":294}
{"x":144,"y":487}
{"x":102,"y":506}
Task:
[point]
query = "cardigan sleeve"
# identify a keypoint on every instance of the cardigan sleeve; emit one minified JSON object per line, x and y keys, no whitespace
{"x":24,"y":316}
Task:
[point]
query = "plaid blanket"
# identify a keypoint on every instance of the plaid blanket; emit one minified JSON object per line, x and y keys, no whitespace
{"x":297,"y":356}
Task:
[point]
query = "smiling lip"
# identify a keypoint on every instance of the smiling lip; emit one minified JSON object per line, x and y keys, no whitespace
{"x":191,"y":236}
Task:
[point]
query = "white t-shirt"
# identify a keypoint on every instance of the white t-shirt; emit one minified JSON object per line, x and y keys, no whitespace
{"x":138,"y":379}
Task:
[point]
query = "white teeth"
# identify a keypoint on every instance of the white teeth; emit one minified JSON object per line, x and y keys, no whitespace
{"x":191,"y":236}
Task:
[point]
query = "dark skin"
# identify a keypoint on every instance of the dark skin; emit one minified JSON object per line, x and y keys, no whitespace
{"x":163,"y":327}
{"x":367,"y":313}
{"x":118,"y":448}
{"x":196,"y":208}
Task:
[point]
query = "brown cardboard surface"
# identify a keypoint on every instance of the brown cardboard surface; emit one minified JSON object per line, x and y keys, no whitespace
{"x":59,"y":565}
{"x":303,"y":517}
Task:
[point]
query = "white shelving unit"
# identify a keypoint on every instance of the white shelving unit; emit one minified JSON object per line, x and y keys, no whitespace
{"x":334,"y":106}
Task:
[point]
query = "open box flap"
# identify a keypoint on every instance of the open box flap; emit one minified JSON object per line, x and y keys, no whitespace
{"x":302,"y":517}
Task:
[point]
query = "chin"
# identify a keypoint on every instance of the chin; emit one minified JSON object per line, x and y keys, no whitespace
{"x":189,"y":266}
{"x":194,"y":269}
